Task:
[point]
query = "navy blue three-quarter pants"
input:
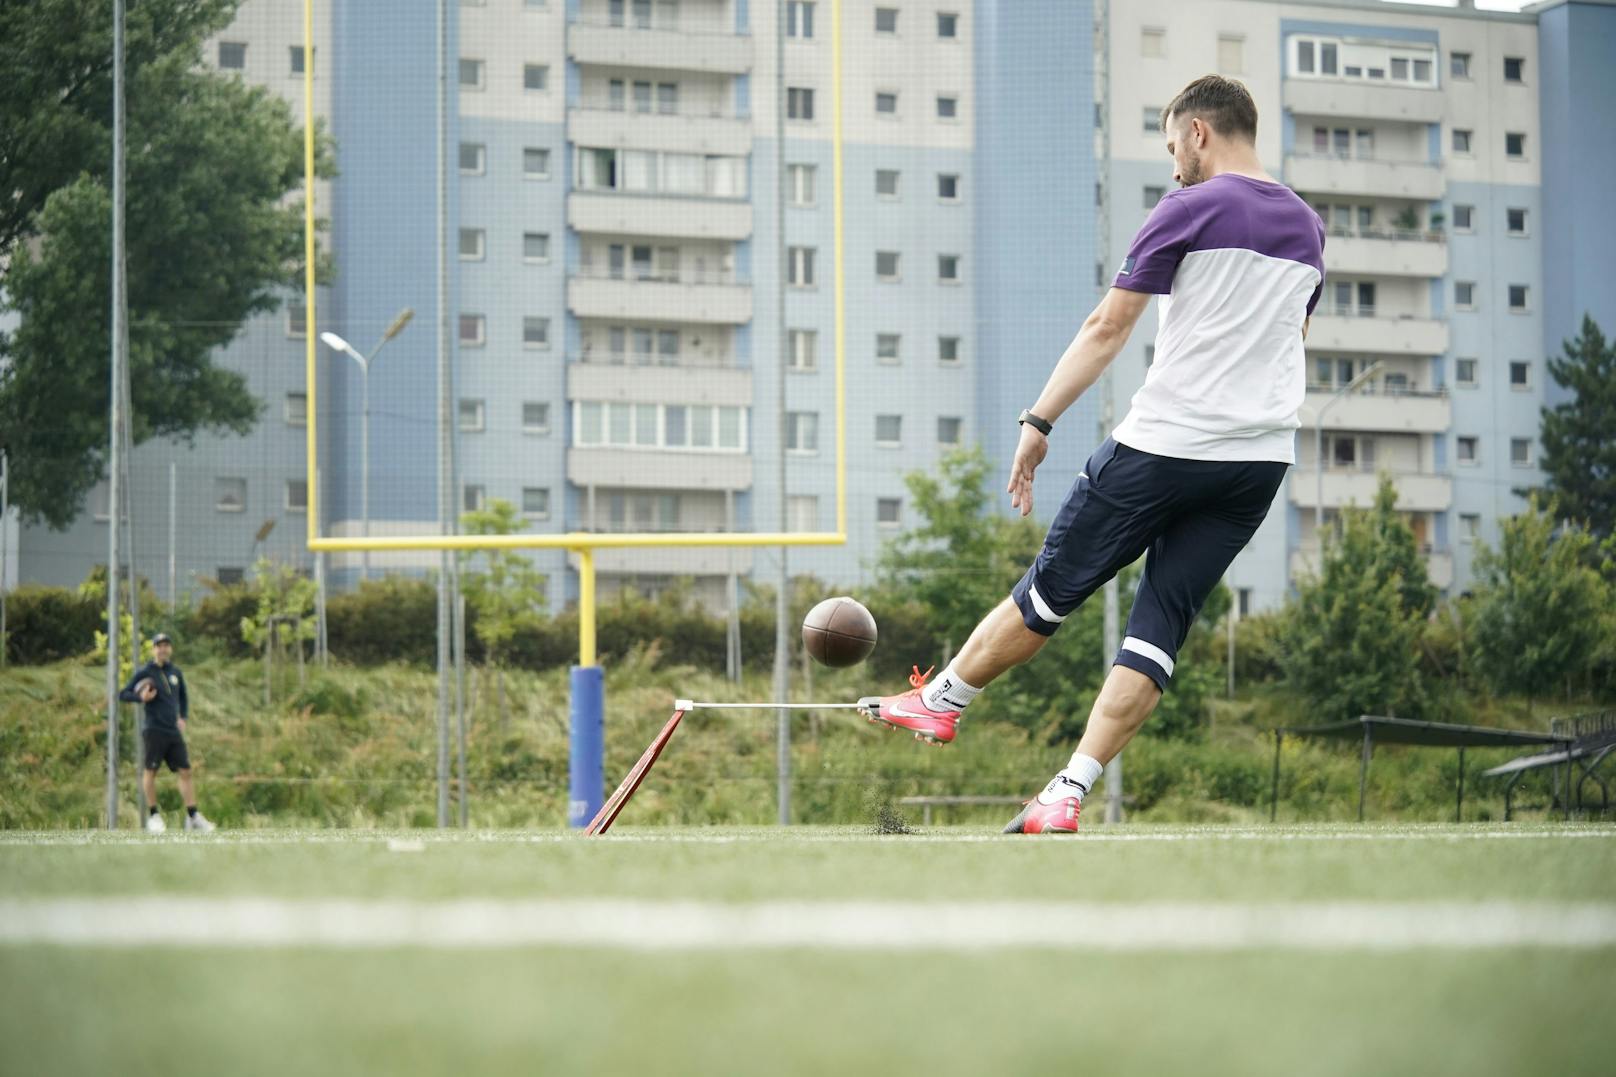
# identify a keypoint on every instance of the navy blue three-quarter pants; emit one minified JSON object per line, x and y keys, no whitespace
{"x":1192,"y":516}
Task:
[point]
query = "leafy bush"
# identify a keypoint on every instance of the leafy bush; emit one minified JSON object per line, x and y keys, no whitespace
{"x":217,"y":618}
{"x":391,"y":619}
{"x":46,"y":624}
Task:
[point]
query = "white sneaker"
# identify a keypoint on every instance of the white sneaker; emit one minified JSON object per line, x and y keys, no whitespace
{"x":155,"y":824}
{"x":198,"y":823}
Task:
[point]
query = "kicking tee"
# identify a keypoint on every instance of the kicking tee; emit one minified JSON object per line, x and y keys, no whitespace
{"x":1239,"y":264}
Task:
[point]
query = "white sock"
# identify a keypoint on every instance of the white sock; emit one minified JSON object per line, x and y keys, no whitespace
{"x":948,"y":692}
{"x":1075,"y":779}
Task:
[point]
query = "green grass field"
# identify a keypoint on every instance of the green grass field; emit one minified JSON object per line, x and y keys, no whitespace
{"x":887,"y":990}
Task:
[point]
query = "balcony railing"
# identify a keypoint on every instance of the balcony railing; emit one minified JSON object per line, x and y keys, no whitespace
{"x":1373,"y":158}
{"x":658,"y":26}
{"x":1397,"y":235}
{"x":681,"y":275}
{"x":715,"y":112}
{"x":1381,"y":390}
{"x":1365,"y":310}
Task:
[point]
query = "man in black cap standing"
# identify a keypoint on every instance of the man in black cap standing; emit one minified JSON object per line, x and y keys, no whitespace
{"x":160,"y":685}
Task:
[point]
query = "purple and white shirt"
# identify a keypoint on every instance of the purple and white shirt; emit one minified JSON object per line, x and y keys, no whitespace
{"x":1239,"y":264}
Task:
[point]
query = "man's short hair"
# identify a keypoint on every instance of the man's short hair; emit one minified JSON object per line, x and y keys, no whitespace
{"x":1224,"y":103}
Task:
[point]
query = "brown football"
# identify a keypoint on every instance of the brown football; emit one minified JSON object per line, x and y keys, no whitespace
{"x":839,"y":632}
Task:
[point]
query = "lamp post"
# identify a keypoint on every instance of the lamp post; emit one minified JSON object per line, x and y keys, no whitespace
{"x":1318,"y":447}
{"x":336,"y":343}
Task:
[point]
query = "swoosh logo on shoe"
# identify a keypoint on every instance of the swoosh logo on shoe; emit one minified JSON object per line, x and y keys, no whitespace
{"x":901,"y":713}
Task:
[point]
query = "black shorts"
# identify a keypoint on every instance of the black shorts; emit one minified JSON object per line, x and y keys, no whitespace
{"x":163,"y":747}
{"x":1189,"y":516}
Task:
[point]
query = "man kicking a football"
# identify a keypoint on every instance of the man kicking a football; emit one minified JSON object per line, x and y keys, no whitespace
{"x":1188,"y":475}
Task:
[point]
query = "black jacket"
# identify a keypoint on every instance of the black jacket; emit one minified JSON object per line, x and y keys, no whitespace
{"x":171,"y":701}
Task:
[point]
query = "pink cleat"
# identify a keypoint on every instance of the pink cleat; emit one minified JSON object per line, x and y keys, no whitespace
{"x":1049,"y":812}
{"x":909,"y":711}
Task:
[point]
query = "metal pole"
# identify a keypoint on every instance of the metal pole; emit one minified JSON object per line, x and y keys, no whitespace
{"x":1273,"y":799}
{"x":460,"y":701}
{"x":446,"y":491}
{"x":1363,"y":769}
{"x":782,"y":601}
{"x":5,"y":553}
{"x":1112,"y":639}
{"x":173,"y":530}
{"x":364,"y":464}
{"x":322,"y":642}
{"x":115,"y":448}
{"x":1234,"y":615}
{"x":134,"y":576}
{"x":1458,"y":807}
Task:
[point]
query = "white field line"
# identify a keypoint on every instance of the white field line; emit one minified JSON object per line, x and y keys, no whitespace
{"x":691,"y":925}
{"x":851,"y":835}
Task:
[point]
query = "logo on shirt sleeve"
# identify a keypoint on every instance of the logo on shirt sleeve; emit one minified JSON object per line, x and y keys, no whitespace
{"x":1127,"y":266}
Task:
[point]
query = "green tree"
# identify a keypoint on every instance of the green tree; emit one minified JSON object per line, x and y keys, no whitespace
{"x":1579,"y":436}
{"x":284,"y":615}
{"x":214,"y":234}
{"x":1352,"y":633}
{"x":1539,"y":608}
{"x":502,"y":587}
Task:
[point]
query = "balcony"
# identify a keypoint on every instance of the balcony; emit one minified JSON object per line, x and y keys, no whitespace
{"x":1438,"y":564}
{"x":1407,"y":411}
{"x":711,"y":297}
{"x":666,"y":50}
{"x":646,"y":384}
{"x":1417,"y":491}
{"x":659,"y":469}
{"x":659,"y":215}
{"x":1387,"y":253}
{"x":691,"y":561}
{"x":720,"y":135}
{"x":1357,"y":99}
{"x":1331,"y":174}
{"x":1361,"y":329}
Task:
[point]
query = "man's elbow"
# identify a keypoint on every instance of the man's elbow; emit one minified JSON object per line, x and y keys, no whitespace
{"x":1104,"y":326}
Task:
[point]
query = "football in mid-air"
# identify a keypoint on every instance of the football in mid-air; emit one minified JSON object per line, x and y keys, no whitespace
{"x":839,"y":632}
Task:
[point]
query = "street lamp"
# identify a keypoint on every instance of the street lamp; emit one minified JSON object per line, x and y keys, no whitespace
{"x":1318,"y":447}
{"x":336,"y":343}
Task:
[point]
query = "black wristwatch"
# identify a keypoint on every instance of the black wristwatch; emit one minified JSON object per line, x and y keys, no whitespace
{"x":1043,"y":426}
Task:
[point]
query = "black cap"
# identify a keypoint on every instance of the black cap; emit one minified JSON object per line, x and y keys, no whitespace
{"x":161,"y":637}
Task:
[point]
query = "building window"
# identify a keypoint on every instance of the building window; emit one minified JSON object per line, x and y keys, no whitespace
{"x":948,"y":429}
{"x":535,"y":163}
{"x":888,"y":511}
{"x":471,"y":244}
{"x":1515,"y":221}
{"x":1154,"y":195}
{"x":1514,"y":69}
{"x":1464,"y":373}
{"x":1517,"y":298}
{"x":535,"y":332}
{"x":799,"y":103}
{"x":886,"y":347}
{"x":889,"y":431}
{"x":1520,"y":452}
{"x":535,"y":77}
{"x":1152,"y":42}
{"x":296,"y":409}
{"x":1520,"y":374}
{"x":1469,"y":450}
{"x":1464,"y":294}
{"x":667,"y":98}
{"x":1459,"y":65}
{"x":1469,"y":526}
{"x":947,"y":107}
{"x":535,"y":246}
{"x":948,"y":268}
{"x":230,"y":576}
{"x":297,"y":320}
{"x":1152,"y":120}
{"x":535,"y":417}
{"x":296,"y":57}
{"x":297,"y":495}
{"x":471,"y":416}
{"x":886,"y":265}
{"x":1231,"y":55}
{"x":471,"y":74}
{"x":948,"y":350}
{"x":473,"y":330}
{"x":473,"y":158}
{"x":801,"y":180}
{"x":471,"y":498}
{"x":886,"y":103}
{"x":1515,"y":145}
{"x":802,"y":513}
{"x":536,"y":502}
{"x":802,"y":350}
{"x":802,"y":432}
{"x":886,"y":20}
{"x":947,"y":187}
{"x":947,"y":25}
{"x":1464,"y":218}
{"x":800,"y":18}
{"x":233,"y":55}
{"x":1461,"y":140}
{"x":800,"y":267}
{"x":886,"y":183}
{"x":230,"y":494}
